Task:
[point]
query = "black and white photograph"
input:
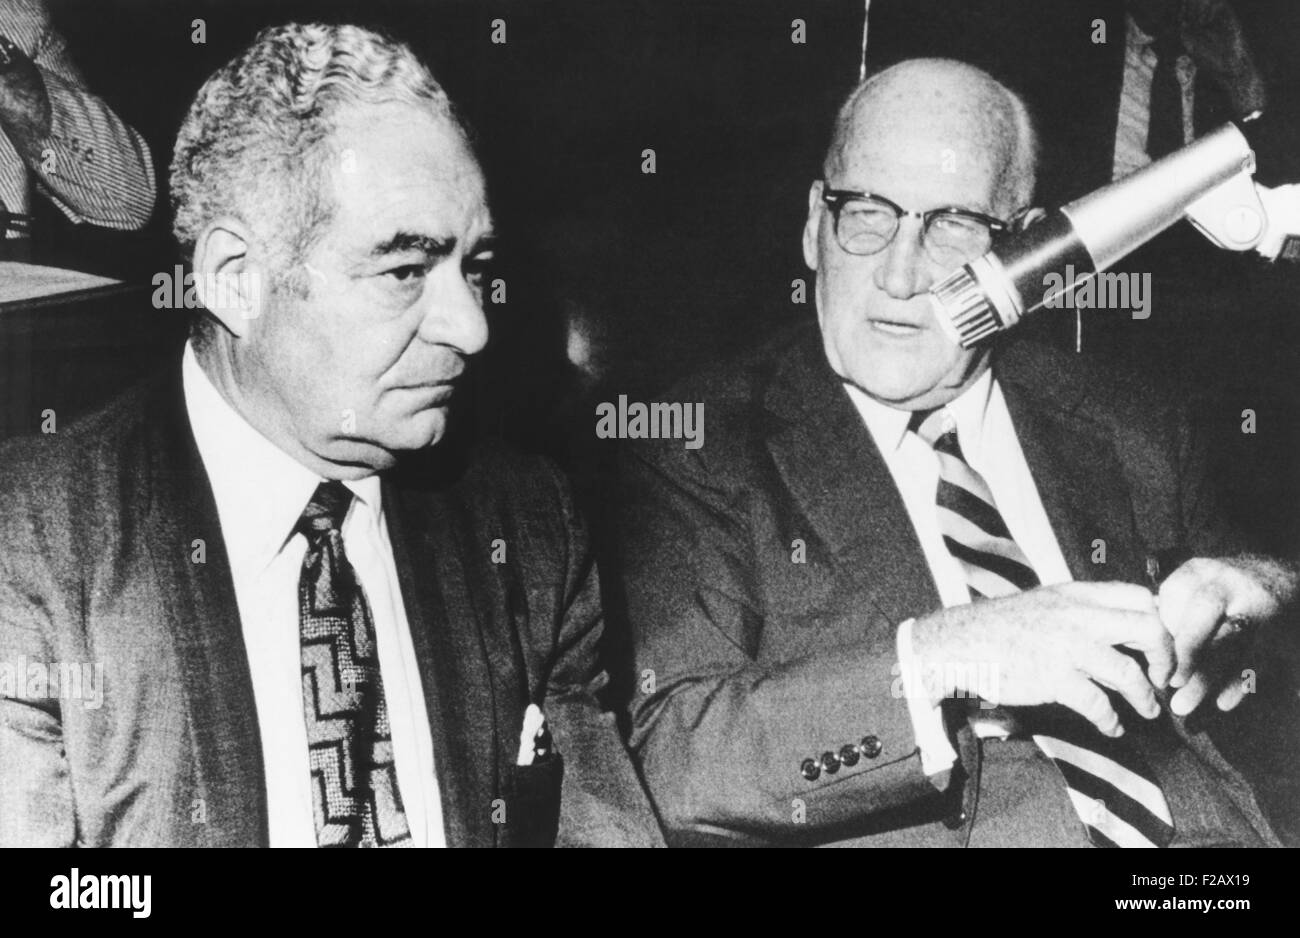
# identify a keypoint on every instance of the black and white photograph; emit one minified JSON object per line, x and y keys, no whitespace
{"x":650,"y":424}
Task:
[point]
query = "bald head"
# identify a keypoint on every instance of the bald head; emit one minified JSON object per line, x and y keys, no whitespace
{"x":955,"y":117}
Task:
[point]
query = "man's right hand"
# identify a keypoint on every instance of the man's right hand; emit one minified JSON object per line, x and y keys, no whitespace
{"x":1052,"y":644}
{"x":25,"y":106}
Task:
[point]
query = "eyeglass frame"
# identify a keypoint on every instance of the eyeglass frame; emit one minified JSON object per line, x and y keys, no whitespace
{"x":834,"y":199}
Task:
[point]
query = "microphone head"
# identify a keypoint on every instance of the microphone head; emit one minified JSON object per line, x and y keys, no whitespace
{"x":963,"y":308}
{"x":1085,"y":237}
{"x":977,"y":300}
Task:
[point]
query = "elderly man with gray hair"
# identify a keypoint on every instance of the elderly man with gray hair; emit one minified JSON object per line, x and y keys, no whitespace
{"x":906,"y":594}
{"x":322,"y":619}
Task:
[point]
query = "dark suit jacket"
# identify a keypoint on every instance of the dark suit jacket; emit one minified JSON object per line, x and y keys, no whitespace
{"x":748,"y":662}
{"x":99,"y":524}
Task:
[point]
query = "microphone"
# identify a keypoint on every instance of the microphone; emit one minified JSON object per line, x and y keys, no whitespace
{"x":1208,"y":180}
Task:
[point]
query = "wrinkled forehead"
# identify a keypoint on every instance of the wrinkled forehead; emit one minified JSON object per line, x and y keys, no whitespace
{"x":401,"y":165}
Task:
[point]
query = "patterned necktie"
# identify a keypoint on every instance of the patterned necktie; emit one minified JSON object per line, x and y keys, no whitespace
{"x":1110,"y":786}
{"x":355,"y":796}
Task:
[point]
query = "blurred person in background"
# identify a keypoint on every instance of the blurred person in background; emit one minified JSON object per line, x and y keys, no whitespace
{"x":61,"y":139}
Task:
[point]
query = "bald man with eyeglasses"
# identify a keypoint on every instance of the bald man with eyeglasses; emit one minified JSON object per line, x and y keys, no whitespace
{"x":873,"y":610}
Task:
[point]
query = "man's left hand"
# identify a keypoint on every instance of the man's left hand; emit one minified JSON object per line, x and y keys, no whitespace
{"x":1212,"y":608}
{"x":24,"y":102}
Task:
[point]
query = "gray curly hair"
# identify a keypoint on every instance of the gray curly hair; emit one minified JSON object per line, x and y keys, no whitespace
{"x":255,"y":143}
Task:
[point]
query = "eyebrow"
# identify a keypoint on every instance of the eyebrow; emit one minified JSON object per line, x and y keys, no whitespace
{"x":428,"y":245}
{"x":961,"y":206}
{"x":405,"y":241}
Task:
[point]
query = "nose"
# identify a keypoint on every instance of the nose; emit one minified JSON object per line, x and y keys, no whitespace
{"x":453,"y":312}
{"x":904,"y":270}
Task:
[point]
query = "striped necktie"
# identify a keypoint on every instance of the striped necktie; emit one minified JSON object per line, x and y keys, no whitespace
{"x":1165,"y":132}
{"x":355,"y":796}
{"x":1112,"y":790}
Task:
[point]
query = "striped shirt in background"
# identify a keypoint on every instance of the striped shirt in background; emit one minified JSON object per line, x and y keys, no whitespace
{"x":1135,"y":100}
{"x":94,"y":167}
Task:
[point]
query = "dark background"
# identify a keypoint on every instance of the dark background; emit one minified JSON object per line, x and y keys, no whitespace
{"x":652,"y":277}
{"x":660,"y":275}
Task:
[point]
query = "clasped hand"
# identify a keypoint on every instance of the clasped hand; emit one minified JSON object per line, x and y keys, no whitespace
{"x":1065,"y":643}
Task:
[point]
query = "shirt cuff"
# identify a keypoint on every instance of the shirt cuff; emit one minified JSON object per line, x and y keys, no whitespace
{"x":937,"y":754}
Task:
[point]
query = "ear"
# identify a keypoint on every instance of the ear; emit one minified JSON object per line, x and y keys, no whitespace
{"x":812,"y":226}
{"x":1029,"y":217}
{"x":228,"y":276}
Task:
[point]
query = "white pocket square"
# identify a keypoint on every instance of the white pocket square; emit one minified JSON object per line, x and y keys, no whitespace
{"x":534,"y":738}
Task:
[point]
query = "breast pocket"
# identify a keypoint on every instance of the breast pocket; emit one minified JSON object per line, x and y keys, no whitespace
{"x":532,"y":803}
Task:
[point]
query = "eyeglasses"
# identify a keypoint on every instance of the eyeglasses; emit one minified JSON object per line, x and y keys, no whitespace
{"x":865,"y":224}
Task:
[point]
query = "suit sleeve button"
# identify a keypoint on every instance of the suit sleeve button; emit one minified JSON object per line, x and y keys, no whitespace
{"x":870,"y":746}
{"x":848,"y":756}
{"x":810,"y":770}
{"x":830,"y":763}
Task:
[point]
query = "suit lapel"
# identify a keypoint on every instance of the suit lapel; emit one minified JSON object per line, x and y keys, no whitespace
{"x":203,"y":618}
{"x":1073,"y":462}
{"x":446,"y":632}
{"x":837,"y":478}
{"x":834,"y":473}
{"x":828,"y":462}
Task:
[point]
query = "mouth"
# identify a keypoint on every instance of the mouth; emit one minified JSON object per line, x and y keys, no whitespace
{"x":899,"y":328}
{"x":431,"y":394}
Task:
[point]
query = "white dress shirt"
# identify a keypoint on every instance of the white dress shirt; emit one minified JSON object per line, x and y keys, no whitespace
{"x":260,"y":493}
{"x":1135,"y":99}
{"x":989,"y":442}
